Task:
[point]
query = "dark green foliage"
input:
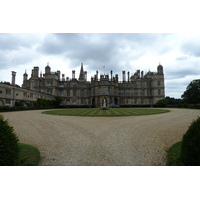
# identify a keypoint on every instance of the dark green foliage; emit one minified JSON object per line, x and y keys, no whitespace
{"x":43,"y":103}
{"x":190,"y":151}
{"x":170,"y":102}
{"x":9,"y":146}
{"x":56,"y":102}
{"x":192,"y":93}
{"x":162,"y":103}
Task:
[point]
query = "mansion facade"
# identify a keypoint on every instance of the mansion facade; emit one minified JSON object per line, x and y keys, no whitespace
{"x":137,"y":89}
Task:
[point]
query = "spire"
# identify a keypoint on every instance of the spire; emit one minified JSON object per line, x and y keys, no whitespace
{"x":81,"y":76}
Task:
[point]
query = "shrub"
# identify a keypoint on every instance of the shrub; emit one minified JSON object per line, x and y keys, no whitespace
{"x":9,"y":146}
{"x":190,"y":151}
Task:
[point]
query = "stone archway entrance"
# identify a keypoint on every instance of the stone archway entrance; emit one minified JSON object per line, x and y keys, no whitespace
{"x":116,"y":101}
{"x":93,"y":102}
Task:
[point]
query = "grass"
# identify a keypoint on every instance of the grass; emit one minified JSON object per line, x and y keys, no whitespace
{"x":29,"y":155}
{"x":112,"y":112}
{"x":173,"y":155}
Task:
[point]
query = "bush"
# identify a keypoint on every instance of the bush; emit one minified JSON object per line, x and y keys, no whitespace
{"x":9,"y":146}
{"x":190,"y":151}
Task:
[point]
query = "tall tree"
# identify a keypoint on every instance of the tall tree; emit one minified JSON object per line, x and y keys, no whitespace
{"x":192,"y":93}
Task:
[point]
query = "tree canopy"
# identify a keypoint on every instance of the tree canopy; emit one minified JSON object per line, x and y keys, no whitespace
{"x":192,"y":93}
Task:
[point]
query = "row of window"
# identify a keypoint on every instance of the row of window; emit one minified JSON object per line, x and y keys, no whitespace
{"x":61,"y":84}
{"x":105,"y":91}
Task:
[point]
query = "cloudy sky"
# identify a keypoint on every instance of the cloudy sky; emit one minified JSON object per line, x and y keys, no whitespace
{"x":178,"y":53}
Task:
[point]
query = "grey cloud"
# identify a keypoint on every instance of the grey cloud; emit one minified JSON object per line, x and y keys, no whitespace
{"x":191,"y":47}
{"x":11,"y":42}
{"x":101,"y":49}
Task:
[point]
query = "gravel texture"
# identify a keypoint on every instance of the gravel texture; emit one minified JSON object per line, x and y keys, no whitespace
{"x":101,"y":141}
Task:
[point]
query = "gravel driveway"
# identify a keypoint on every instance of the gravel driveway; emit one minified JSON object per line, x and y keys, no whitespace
{"x":110,"y":141}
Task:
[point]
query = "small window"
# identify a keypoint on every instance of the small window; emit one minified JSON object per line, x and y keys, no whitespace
{"x":8,"y":91}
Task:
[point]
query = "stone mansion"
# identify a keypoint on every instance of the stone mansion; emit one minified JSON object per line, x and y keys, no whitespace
{"x":137,"y":89}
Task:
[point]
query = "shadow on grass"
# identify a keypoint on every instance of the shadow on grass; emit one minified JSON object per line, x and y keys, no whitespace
{"x":173,"y":155}
{"x":29,"y":155}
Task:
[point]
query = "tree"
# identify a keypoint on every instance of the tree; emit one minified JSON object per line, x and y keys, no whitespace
{"x":192,"y":93}
{"x":9,"y":146}
{"x":190,"y":149}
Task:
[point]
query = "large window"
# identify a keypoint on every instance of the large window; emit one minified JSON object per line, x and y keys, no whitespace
{"x":68,"y":93}
{"x":74,"y":93}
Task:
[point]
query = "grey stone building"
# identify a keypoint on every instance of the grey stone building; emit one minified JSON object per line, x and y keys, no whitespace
{"x":10,"y":93}
{"x":138,"y":89}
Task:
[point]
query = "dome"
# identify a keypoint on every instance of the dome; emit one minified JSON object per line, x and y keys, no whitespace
{"x":160,"y":66}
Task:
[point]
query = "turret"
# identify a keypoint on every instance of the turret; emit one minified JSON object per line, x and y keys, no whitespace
{"x":25,"y":77}
{"x":160,"y":69}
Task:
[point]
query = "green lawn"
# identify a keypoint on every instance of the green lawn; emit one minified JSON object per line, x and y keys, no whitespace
{"x":29,"y":155}
{"x":97,"y":112}
{"x":173,"y":155}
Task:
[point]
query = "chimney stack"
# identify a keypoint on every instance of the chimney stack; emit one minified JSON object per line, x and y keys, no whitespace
{"x":124,"y":76}
{"x":85,"y":73}
{"x":13,"y":77}
{"x":73,"y":74}
{"x":63,"y":77}
{"x":128,"y":76}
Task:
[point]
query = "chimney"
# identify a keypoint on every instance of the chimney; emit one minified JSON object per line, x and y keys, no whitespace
{"x":63,"y":77}
{"x":142,"y":74}
{"x":13,"y":77}
{"x":124,"y":76}
{"x":97,"y":74}
{"x":35,"y":71}
{"x":116,"y":77}
{"x":111,"y":72}
{"x":128,"y":76}
{"x":73,"y":74}
{"x":58,"y":73}
{"x":85,"y":73}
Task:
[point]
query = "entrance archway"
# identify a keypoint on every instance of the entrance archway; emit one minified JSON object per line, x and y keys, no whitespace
{"x":93,"y":102}
{"x":116,"y":101}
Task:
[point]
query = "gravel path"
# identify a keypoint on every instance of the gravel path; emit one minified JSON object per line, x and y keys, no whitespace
{"x":110,"y":141}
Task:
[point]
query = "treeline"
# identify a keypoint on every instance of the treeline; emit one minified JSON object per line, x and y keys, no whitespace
{"x":189,"y":99}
